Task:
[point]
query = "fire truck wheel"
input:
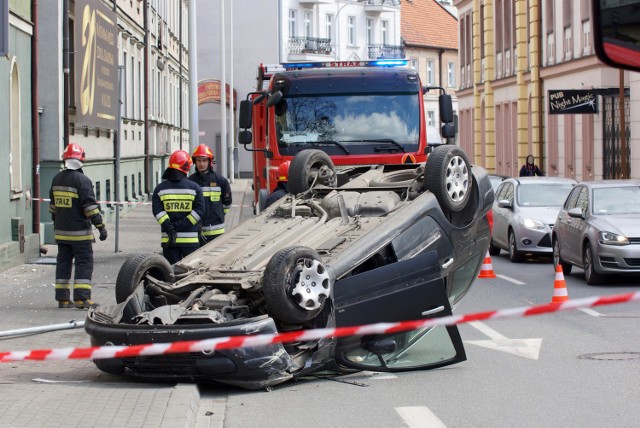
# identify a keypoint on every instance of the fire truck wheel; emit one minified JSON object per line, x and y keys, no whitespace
{"x":296,"y":285}
{"x":132,"y":274}
{"x":448,"y":176}
{"x":309,"y":166}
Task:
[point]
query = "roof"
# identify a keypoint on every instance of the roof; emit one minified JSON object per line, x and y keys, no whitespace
{"x":426,"y":23}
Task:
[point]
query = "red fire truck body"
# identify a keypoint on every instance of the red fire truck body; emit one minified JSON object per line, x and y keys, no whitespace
{"x":358,"y":112}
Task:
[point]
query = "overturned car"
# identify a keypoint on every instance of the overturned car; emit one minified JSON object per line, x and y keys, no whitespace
{"x":346,"y":247}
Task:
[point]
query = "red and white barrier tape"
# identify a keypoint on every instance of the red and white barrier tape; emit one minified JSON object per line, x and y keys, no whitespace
{"x":119,"y":202}
{"x":232,"y":342}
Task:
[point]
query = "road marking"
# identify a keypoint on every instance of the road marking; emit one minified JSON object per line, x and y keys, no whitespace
{"x":419,"y":417}
{"x":527,"y":348}
{"x":513,"y":280}
{"x":591,"y":312}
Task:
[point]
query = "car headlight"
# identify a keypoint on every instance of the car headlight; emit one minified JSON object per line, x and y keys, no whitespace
{"x":611,"y":238}
{"x":531,"y":223}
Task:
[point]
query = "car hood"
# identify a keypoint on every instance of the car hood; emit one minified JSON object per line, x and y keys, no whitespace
{"x":545,"y":214}
{"x":622,"y":224}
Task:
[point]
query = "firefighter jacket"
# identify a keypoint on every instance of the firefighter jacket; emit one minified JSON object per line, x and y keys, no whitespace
{"x":73,"y":207}
{"x":217,"y":200}
{"x":178,"y":206}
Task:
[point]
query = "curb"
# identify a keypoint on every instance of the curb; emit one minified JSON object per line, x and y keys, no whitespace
{"x":182,"y":408}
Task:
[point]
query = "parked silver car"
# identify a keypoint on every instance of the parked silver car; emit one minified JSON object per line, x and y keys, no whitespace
{"x":524,"y":210}
{"x":598,"y":229}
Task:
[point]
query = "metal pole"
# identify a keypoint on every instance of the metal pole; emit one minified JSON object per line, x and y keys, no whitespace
{"x":116,"y":150}
{"x":65,"y":70}
{"x":223,"y":95}
{"x":232,"y":101}
{"x":194,"y":126}
{"x":42,"y":329}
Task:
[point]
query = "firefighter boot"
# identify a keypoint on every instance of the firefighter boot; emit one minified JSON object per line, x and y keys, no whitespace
{"x":85,"y":304}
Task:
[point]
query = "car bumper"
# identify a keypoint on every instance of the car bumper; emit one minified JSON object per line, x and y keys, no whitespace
{"x":253,"y":367}
{"x":534,"y":241}
{"x":618,"y":259}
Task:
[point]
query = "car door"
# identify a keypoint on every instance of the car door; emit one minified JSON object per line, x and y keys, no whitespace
{"x":502,"y":215}
{"x":411,"y":289}
{"x":573,"y":227}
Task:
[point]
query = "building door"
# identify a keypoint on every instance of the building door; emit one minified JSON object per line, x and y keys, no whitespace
{"x":611,"y":144}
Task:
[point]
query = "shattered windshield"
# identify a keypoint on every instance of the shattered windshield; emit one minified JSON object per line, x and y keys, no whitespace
{"x":349,"y":124}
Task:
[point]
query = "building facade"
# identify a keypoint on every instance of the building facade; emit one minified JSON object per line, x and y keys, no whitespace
{"x":523,"y":65}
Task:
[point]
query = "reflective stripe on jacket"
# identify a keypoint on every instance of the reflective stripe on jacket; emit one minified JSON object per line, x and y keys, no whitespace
{"x":217,"y":199}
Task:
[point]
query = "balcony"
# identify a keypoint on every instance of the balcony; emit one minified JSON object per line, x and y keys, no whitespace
{"x":309,"y":48}
{"x":379,"y":6}
{"x":385,"y":52}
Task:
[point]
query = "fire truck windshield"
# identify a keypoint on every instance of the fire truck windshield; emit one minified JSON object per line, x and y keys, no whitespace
{"x":348,"y":124}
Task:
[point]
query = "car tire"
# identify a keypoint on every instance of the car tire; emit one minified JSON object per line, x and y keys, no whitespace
{"x":296,"y":285}
{"x":132,"y":273}
{"x":514,"y":255}
{"x":590,"y":275}
{"x":448,"y":176}
{"x":308,"y":166}
{"x":493,"y":250}
{"x":557,"y":259}
{"x":402,"y":178}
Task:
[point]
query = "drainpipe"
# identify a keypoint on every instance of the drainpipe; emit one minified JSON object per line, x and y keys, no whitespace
{"x":35,"y":120}
{"x":440,"y":52}
{"x":147,"y":161}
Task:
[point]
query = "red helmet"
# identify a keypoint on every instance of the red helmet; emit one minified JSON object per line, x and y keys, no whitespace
{"x":73,"y":151}
{"x":181,"y":161}
{"x":283,"y":171}
{"x":202,"y":151}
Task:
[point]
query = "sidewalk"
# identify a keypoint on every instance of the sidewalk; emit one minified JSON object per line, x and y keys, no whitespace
{"x":74,"y":393}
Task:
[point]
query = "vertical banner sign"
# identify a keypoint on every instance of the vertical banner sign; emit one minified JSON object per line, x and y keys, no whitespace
{"x":96,"y":59}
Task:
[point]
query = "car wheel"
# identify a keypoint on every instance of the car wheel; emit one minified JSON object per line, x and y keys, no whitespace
{"x":590,"y":275}
{"x":132,"y":273}
{"x":296,"y":285}
{"x":448,"y":177}
{"x":309,"y":166}
{"x":557,"y":259}
{"x":514,"y":255}
{"x":402,"y":178}
{"x":493,"y":250}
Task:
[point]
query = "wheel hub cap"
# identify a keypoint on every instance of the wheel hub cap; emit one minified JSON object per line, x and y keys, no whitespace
{"x":313,"y":285}
{"x":457,"y":179}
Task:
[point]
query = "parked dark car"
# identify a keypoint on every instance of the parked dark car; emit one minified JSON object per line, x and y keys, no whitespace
{"x":364,"y":245}
{"x":496,"y":179}
{"x":524,"y":210}
{"x":598,"y":230}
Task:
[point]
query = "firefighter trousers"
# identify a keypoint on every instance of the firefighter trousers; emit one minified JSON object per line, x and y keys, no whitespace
{"x":79,"y":254}
{"x":176,"y":253}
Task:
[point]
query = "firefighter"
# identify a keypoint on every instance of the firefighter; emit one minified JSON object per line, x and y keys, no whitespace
{"x":178,"y":206}
{"x":73,"y":209}
{"x":217,"y":194}
{"x":282,"y":188}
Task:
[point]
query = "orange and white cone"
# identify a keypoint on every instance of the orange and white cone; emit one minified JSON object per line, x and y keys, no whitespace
{"x":559,"y":287}
{"x":486,"y":270}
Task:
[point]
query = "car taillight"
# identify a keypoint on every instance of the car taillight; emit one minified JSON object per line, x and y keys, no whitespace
{"x":490,"y":220}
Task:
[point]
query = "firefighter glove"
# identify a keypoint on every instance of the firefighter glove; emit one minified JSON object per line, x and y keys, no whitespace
{"x":103,"y":233}
{"x":172,"y":237}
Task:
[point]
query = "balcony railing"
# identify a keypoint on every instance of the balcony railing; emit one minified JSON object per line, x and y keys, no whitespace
{"x":298,"y":45}
{"x":382,"y":3}
{"x":386,"y":52}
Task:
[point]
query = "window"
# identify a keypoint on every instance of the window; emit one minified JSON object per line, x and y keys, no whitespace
{"x":351,"y":30}
{"x":369,"y":31}
{"x":15,"y":157}
{"x":415,"y":64}
{"x":431,"y":118}
{"x":451,"y":74}
{"x":329,"y":26}
{"x":307,"y":24}
{"x":586,"y":37}
{"x":292,"y":23}
{"x":385,"y":30}
{"x":430,"y":73}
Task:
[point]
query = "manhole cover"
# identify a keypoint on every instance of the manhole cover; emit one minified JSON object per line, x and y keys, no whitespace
{"x":611,"y":356}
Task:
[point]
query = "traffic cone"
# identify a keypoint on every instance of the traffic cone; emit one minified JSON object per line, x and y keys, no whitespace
{"x":486,"y":270}
{"x":559,"y":287}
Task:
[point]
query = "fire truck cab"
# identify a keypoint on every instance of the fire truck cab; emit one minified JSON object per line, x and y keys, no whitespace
{"x":361,"y":113}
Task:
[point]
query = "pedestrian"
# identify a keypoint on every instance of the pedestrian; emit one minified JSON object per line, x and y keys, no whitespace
{"x":73,"y":209}
{"x":217,"y":194}
{"x":178,"y":205}
{"x":281,"y":188}
{"x":530,"y":169}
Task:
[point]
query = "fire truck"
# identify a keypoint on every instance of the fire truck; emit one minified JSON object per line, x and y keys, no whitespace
{"x":360,"y":113}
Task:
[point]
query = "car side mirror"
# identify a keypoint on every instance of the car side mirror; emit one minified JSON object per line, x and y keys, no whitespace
{"x":504,"y":203}
{"x":575,"y":213}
